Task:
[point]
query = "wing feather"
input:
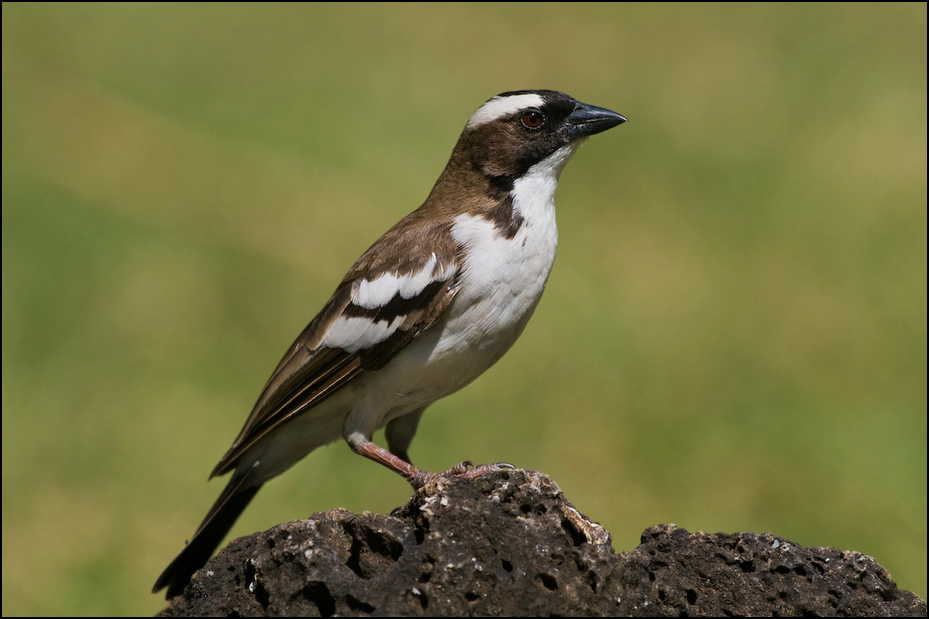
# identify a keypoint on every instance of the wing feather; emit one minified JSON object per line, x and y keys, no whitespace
{"x":370,"y":318}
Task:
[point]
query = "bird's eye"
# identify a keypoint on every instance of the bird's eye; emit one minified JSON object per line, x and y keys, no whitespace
{"x":533,"y":119}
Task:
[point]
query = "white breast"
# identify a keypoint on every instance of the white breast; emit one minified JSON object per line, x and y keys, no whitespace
{"x":503,"y":279}
{"x":499,"y":285}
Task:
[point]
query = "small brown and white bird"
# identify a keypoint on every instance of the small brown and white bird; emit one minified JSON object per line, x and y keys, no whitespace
{"x":429,"y":307}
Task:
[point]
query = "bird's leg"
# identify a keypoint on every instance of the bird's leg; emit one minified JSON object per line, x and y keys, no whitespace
{"x":417,"y":478}
{"x":364,"y":446}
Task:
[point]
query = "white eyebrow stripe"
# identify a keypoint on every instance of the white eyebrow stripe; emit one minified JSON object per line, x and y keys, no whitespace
{"x":503,"y":106}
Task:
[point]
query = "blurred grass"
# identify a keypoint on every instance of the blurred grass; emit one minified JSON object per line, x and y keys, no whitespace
{"x":734,"y":335}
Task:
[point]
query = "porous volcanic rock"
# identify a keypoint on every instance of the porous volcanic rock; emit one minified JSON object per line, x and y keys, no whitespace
{"x":510,"y":544}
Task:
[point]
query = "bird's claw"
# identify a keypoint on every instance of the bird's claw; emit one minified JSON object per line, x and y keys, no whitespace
{"x":464,"y":470}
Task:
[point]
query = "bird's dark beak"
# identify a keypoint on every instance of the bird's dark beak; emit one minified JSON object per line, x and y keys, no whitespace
{"x":589,"y":119}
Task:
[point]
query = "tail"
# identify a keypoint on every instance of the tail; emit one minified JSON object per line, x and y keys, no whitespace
{"x":225,"y":511}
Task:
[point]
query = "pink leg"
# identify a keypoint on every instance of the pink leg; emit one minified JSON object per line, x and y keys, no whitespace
{"x":371,"y":450}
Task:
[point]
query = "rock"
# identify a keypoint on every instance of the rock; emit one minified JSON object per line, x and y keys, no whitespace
{"x":510,"y":544}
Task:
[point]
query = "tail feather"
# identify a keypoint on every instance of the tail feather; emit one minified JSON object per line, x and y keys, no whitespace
{"x":225,"y":511}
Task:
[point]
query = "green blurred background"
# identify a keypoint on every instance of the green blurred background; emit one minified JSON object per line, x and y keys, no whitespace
{"x":733,"y":337}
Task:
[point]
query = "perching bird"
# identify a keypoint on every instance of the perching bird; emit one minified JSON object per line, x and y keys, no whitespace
{"x":427,"y":309}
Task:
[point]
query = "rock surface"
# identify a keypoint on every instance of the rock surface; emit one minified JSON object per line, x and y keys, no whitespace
{"x":510,"y":544}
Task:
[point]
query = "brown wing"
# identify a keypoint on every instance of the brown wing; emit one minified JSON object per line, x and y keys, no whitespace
{"x":359,"y":330}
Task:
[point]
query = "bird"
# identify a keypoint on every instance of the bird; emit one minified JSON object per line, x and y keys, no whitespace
{"x":430,"y":306}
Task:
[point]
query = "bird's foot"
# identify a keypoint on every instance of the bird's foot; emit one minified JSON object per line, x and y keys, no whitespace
{"x":464,"y":470}
{"x":418,"y":478}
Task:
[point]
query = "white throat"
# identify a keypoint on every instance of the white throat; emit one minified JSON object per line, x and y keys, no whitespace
{"x":534,"y":192}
